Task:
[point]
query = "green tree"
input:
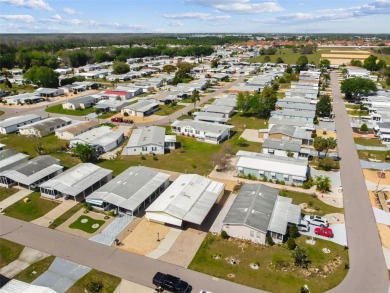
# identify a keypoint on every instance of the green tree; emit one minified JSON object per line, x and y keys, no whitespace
{"x":195,"y":97}
{"x":291,"y":243}
{"x":279,"y":60}
{"x":97,"y":112}
{"x":120,"y":67}
{"x":356,"y":62}
{"x":243,"y":101}
{"x":102,"y":56}
{"x":370,"y":63}
{"x":320,"y":144}
{"x":214,"y":63}
{"x":42,"y":76}
{"x":266,"y":59}
{"x":323,"y":183}
{"x":352,"y":87}
{"x":168,"y":68}
{"x":324,"y":63}
{"x":364,"y":128}
{"x":242,"y":142}
{"x":326,"y":77}
{"x":293,"y":231}
{"x":301,"y":63}
{"x":85,"y":152}
{"x":78,"y":58}
{"x":331,"y":143}
{"x":324,"y":106}
{"x":300,"y":256}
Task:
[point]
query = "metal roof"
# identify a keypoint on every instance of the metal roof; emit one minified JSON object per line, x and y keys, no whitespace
{"x":77,"y":179}
{"x":189,"y":198}
{"x":285,"y":165}
{"x":16,"y":286}
{"x":218,"y":109}
{"x":226,"y":100}
{"x":10,"y":157}
{"x":101,"y":136}
{"x":47,"y":123}
{"x":283,"y":129}
{"x":34,"y":170}
{"x":152,"y":135}
{"x":211,"y":116}
{"x":206,"y":127}
{"x":82,"y":100}
{"x":78,"y":127}
{"x":130,"y":188}
{"x":284,"y":212}
{"x":300,"y":122}
{"x":253,"y":206}
{"x":293,"y":113}
{"x":142,"y":106}
{"x":284,"y":145}
{"x":17,"y":120}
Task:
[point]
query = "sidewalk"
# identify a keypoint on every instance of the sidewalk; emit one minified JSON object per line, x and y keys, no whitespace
{"x":27,"y":257}
{"x":127,"y":286}
{"x":47,"y":219}
{"x":14,"y":198}
{"x":165,"y":244}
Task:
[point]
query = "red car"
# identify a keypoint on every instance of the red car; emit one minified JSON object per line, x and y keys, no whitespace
{"x":327,"y":232}
{"x":117,"y":119}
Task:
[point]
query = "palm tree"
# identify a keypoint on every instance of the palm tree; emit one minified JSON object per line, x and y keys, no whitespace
{"x":326,"y":77}
{"x":195,"y":97}
{"x":97,"y":112}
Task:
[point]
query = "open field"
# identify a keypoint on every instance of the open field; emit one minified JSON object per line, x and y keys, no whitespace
{"x":28,"y":211}
{"x":373,"y":155}
{"x":247,"y":120}
{"x":276,"y":271}
{"x":347,"y":56}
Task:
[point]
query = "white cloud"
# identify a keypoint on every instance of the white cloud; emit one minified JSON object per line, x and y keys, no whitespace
{"x":56,"y":17}
{"x":175,"y":23}
{"x":69,"y":11}
{"x":196,"y":15}
{"x":21,"y":17}
{"x":74,"y":21}
{"x":240,"y":6}
{"x":33,"y":4}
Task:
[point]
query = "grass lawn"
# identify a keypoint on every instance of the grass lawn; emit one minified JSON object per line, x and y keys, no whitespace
{"x":298,"y":198}
{"x":107,"y":115}
{"x":166,"y":110}
{"x":86,"y":227}
{"x":6,"y":192}
{"x":9,"y":251}
{"x":352,"y":106}
{"x":39,"y":268}
{"x":65,"y":216}
{"x":289,"y":56}
{"x":183,"y":117}
{"x":28,"y":211}
{"x":249,"y":121}
{"x":268,"y":277}
{"x":58,"y":109}
{"x":368,"y":142}
{"x":375,"y":155}
{"x":109,"y":282}
{"x":51,"y":144}
{"x":358,"y":112}
{"x":20,"y":88}
{"x":1,"y":112}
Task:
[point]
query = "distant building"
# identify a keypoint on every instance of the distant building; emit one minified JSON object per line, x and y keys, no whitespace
{"x":70,"y":131}
{"x":44,"y":127}
{"x":12,"y":124}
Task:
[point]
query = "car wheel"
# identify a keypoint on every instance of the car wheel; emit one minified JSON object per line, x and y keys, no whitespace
{"x":322,"y":226}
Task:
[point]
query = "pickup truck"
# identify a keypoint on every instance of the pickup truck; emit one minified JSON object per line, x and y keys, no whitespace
{"x":171,"y":283}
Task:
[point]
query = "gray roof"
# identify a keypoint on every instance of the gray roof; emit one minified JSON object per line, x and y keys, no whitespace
{"x":284,"y":145}
{"x":142,"y":106}
{"x":77,"y":179}
{"x":293,"y":113}
{"x":101,"y":136}
{"x":297,"y":106}
{"x":10,"y":157}
{"x":227,"y":100}
{"x":284,"y":212}
{"x":253,"y":206}
{"x":130,"y":188}
{"x":34,"y":170}
{"x":46,"y":124}
{"x":283,"y":129}
{"x":17,"y":120}
{"x":300,"y":122}
{"x":152,"y":135}
{"x":218,"y":109}
{"x":81,"y":100}
{"x":208,"y":127}
{"x":212,"y":117}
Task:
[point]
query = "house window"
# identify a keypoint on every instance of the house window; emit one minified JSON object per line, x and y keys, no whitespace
{"x":144,"y":149}
{"x":252,"y":233}
{"x":197,"y":132}
{"x":270,"y":151}
{"x":154,"y":148}
{"x":258,"y":234}
{"x":273,"y":175}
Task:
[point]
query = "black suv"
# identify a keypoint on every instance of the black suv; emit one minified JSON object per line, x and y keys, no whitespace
{"x":171,"y":283}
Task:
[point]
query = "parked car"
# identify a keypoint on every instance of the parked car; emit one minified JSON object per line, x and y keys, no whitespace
{"x":303,"y":226}
{"x":326,"y":119}
{"x":316,"y":220}
{"x":323,"y":231}
{"x":116,"y":119}
{"x":171,"y":283}
{"x":203,"y":291}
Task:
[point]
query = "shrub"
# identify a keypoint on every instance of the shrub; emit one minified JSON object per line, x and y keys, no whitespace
{"x":316,"y":207}
{"x":281,"y":182}
{"x":125,"y":114}
{"x":292,"y":185}
{"x":328,"y":164}
{"x":310,"y":204}
{"x":143,"y":158}
{"x":269,"y":241}
{"x":283,"y":193}
{"x":307,"y":185}
{"x":364,"y":127}
{"x":293,"y":231}
{"x":88,"y":207}
{"x":224,"y":235}
{"x":93,"y":287}
{"x":324,"y":132}
{"x":277,"y":181}
{"x":313,"y":135}
{"x":279,"y":262}
{"x":193,"y":165}
{"x":291,"y":243}
{"x":155,"y":158}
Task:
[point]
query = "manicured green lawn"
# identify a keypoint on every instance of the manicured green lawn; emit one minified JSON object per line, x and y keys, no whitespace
{"x":358,"y":112}
{"x":247,"y":121}
{"x":9,"y":251}
{"x":1,"y":112}
{"x":184,"y":117}
{"x":86,"y":227}
{"x":107,"y":115}
{"x":166,"y":110}
{"x":39,"y":268}
{"x":352,"y":106}
{"x":268,"y":277}
{"x":65,"y":216}
{"x":298,"y":198}
{"x":289,"y":56}
{"x":20,"y":88}
{"x":51,"y":144}
{"x":375,"y":155}
{"x":28,"y":211}
{"x":6,"y":192}
{"x":109,"y":282}
{"x":58,"y":109}
{"x":368,"y":141}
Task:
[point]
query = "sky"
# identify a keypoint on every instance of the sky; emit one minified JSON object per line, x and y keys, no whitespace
{"x":194,"y":16}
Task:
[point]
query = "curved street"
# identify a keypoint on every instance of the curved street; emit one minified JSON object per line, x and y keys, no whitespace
{"x":368,"y":271}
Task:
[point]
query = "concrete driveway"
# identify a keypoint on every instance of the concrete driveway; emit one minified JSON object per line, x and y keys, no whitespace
{"x":340,"y":234}
{"x":333,"y":176}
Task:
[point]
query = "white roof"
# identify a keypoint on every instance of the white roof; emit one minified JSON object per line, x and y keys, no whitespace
{"x":189,"y":198}
{"x":16,"y":286}
{"x":17,"y":120}
{"x":77,"y":179}
{"x":152,"y":135}
{"x":101,"y":136}
{"x":284,"y":212}
{"x":290,"y":166}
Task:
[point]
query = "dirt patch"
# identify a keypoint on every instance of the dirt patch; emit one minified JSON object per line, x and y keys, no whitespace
{"x":355,"y":134}
{"x":346,"y":56}
{"x":373,"y":176}
{"x":335,"y":218}
{"x":384,"y":233}
{"x":320,"y":132}
{"x":137,"y":119}
{"x":307,"y":209}
{"x":143,"y":239}
{"x":350,"y":52}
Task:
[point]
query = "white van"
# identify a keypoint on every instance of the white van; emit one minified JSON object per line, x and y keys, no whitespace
{"x":303,"y":226}
{"x":316,"y":220}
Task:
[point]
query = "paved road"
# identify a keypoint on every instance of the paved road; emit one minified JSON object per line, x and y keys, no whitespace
{"x":128,"y":266}
{"x":368,"y":272}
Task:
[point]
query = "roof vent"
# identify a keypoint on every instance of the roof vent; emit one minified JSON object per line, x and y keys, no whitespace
{"x":172,"y":196}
